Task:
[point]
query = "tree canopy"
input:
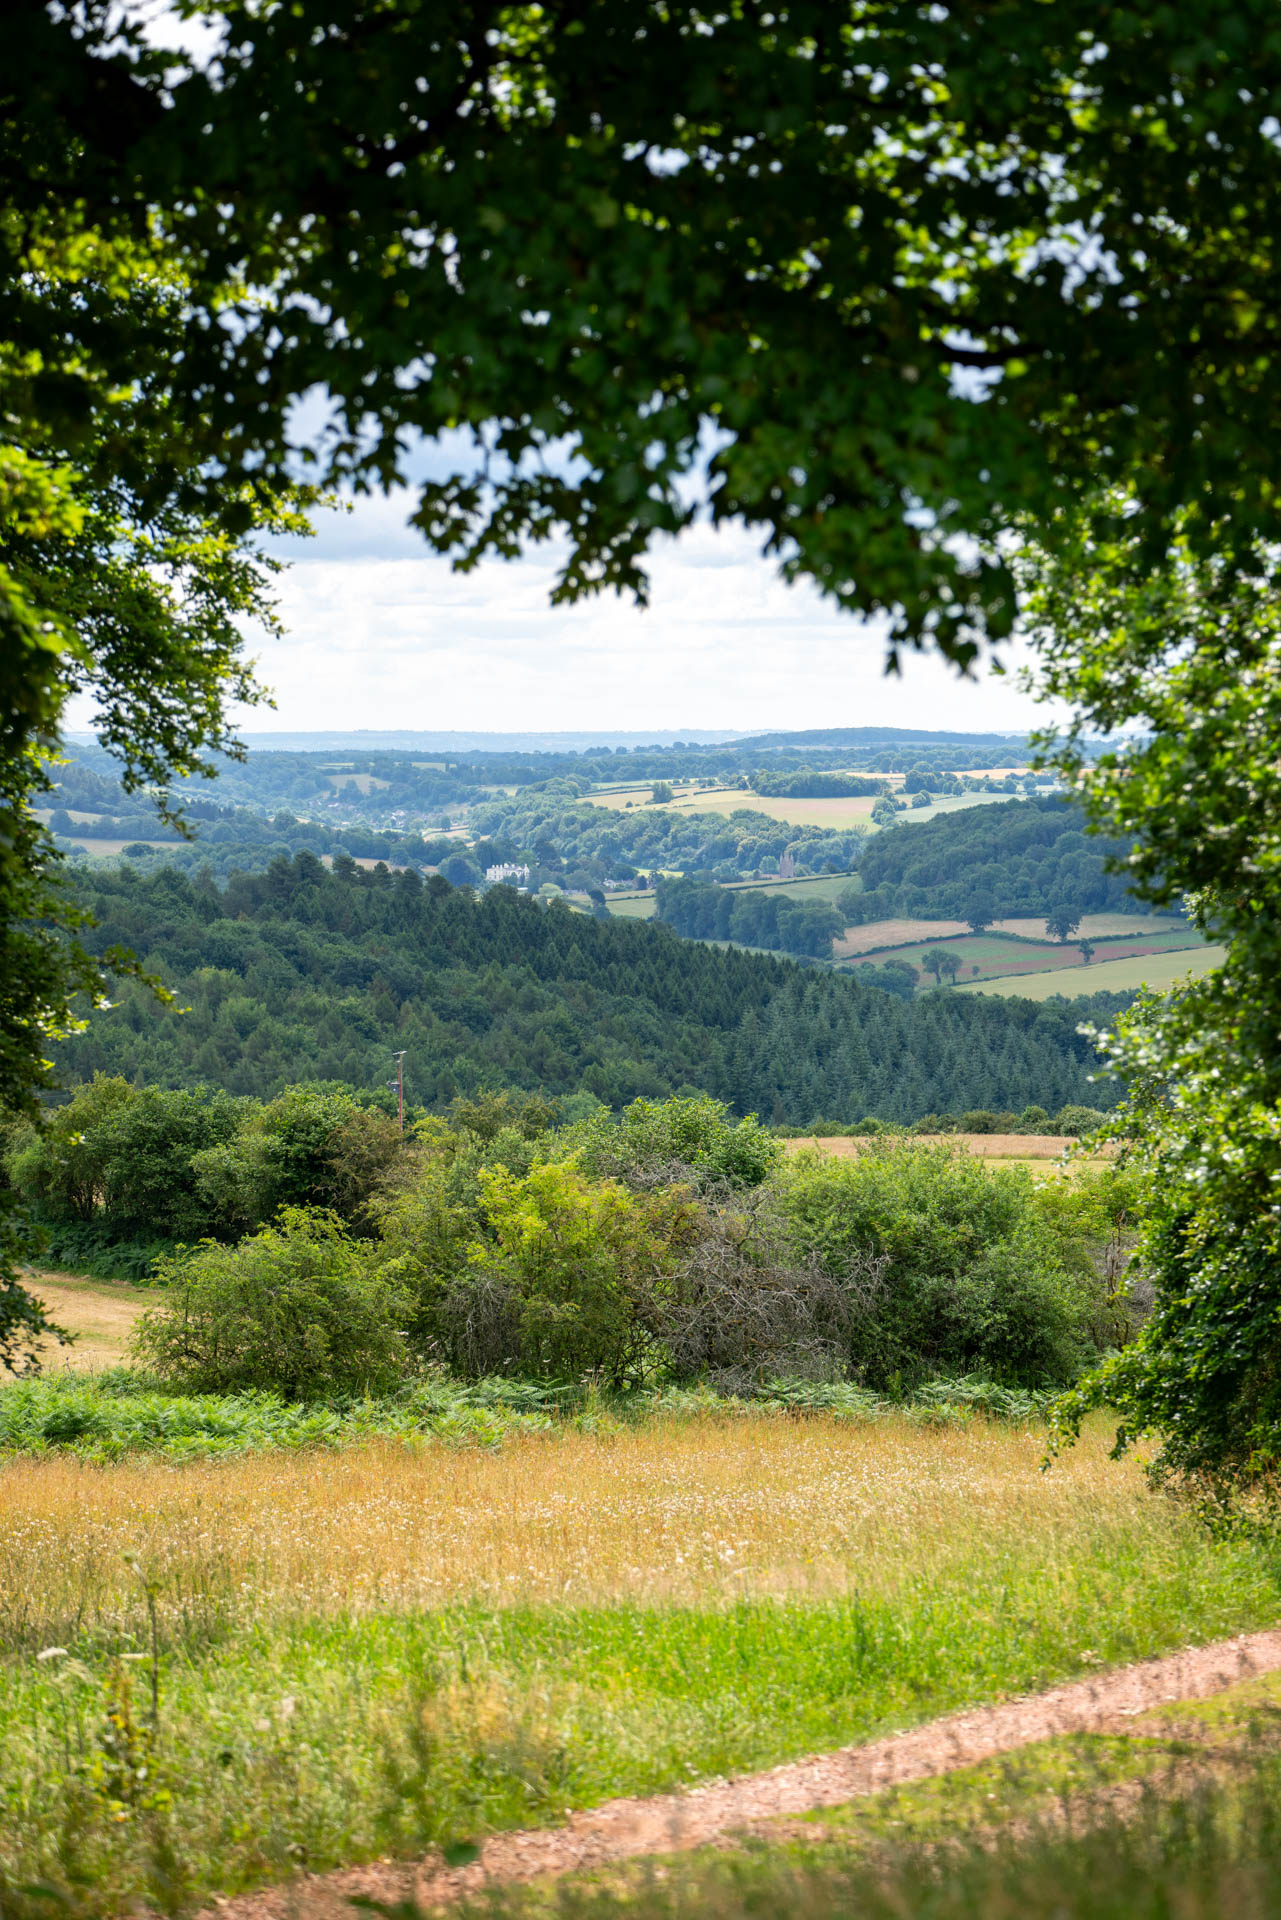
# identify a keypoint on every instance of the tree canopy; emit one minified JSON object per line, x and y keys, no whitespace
{"x":885,"y":282}
{"x":1192,"y":660}
{"x":892,"y":274}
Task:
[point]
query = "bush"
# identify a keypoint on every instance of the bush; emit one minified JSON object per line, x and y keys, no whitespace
{"x":312,"y":1146}
{"x":739,"y":1309}
{"x":1078,"y":1120}
{"x":296,"y":1309}
{"x":660,"y":1142}
{"x":560,"y":1281}
{"x":118,"y":1157}
{"x":972,"y":1275}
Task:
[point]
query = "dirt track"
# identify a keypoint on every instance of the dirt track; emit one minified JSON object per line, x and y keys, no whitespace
{"x":626,"y":1829}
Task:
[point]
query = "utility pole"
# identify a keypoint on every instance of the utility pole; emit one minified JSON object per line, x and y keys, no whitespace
{"x":399,"y":1084}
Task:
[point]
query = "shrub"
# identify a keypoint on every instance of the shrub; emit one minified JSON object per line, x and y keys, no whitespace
{"x":740,"y":1309}
{"x":312,"y":1146}
{"x":1078,"y":1120}
{"x":118,"y":1157}
{"x":659,"y":1142}
{"x":298,"y":1309}
{"x":561,"y":1275}
{"x":972,"y":1275}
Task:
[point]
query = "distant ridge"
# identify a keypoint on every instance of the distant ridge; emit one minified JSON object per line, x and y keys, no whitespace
{"x":415,"y":740}
{"x":403,"y":740}
{"x":876,"y":737}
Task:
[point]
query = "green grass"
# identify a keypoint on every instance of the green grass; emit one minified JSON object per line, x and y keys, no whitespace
{"x":821,"y":886}
{"x":286,"y":1740}
{"x":632,"y":906}
{"x":825,"y":886}
{"x":1157,"y":970}
{"x":1079,"y":1829}
{"x":1016,"y":958}
{"x":952,"y":803}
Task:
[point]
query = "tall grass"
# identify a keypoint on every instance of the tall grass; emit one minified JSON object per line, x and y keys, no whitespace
{"x":365,"y":1652}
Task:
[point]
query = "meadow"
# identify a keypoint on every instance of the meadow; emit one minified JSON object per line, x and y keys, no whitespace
{"x":1156,"y":932}
{"x":368,"y":1652}
{"x":1171,"y":1812}
{"x":826,"y":886}
{"x":632,"y":906}
{"x":1157,"y":970}
{"x":993,"y":957}
{"x":301,"y":1619}
{"x":822,"y":811}
{"x":617,"y":799}
{"x":101,"y":1314}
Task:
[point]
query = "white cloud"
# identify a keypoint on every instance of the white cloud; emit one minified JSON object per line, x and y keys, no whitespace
{"x":383,"y":634}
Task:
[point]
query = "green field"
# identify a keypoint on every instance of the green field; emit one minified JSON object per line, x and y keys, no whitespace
{"x":1156,"y":970}
{"x":822,"y":886}
{"x":632,"y":906}
{"x":819,"y":886}
{"x":362,"y":1653}
{"x":688,"y":796}
{"x":952,"y":803}
{"x":989,"y":957}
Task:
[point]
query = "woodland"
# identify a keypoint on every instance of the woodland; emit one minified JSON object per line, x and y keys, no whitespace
{"x":613,"y":1454}
{"x":301,"y":973}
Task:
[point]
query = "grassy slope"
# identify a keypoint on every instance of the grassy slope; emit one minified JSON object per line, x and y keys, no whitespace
{"x":99,"y":1313}
{"x":366,"y":1652}
{"x":987,"y":956}
{"x":633,"y":906}
{"x":826,"y":886}
{"x":1158,"y":970}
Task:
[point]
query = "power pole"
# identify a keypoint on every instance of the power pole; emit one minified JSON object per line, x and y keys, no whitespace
{"x":399,"y":1084}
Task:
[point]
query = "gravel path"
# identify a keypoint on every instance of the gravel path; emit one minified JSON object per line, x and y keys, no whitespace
{"x":624,"y":1829}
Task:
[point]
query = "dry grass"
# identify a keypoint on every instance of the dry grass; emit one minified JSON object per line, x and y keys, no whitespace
{"x":695,"y":1512}
{"x":988,"y":1146}
{"x":826,"y":810}
{"x":101,"y":1315}
{"x":894,"y":933}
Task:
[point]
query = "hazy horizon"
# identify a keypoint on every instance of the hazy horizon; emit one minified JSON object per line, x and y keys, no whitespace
{"x":383,"y":635}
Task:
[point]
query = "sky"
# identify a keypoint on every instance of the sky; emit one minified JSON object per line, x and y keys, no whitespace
{"x":381,"y":633}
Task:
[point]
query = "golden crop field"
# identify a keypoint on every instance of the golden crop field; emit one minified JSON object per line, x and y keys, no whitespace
{"x":988,"y":1146}
{"x":827,"y":811}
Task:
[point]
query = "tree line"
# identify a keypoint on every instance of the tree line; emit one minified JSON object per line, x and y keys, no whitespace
{"x":749,"y":916}
{"x":668,"y":1242}
{"x":555,"y":820}
{"x":297,"y":972}
{"x":984,"y":863}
